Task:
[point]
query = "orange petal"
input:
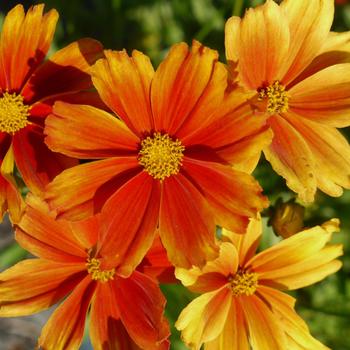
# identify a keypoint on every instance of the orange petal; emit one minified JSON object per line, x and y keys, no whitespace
{"x":233,"y":196}
{"x":214,"y":274}
{"x":204,"y":318}
{"x":179,"y":83}
{"x":65,"y":71}
{"x":246,"y":244}
{"x":129,"y":232}
{"x":86,"y":232}
{"x":34,"y":285}
{"x":291,"y":157}
{"x":265,"y":329}
{"x":309,"y":25}
{"x":187,"y":228}
{"x":141,"y":307}
{"x":294,"y":326}
{"x":234,"y":335}
{"x":264,"y":35}
{"x":25,"y":40}
{"x":47,"y":238}
{"x":65,"y":328}
{"x":299,"y":260}
{"x":75,"y":192}
{"x":232,"y":38}
{"x":324,"y":97}
{"x":124,"y":84}
{"x":331,"y":152}
{"x":72,"y":130}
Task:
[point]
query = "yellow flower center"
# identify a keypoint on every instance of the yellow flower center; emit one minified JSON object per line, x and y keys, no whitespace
{"x":13,"y":113}
{"x":161,"y":156}
{"x":277,"y":98}
{"x":243,"y":283}
{"x":93,"y":268}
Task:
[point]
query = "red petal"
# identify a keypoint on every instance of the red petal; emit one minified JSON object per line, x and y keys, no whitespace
{"x":141,"y":306}
{"x":187,"y":228}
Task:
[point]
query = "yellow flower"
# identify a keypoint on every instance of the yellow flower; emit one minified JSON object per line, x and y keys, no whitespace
{"x":242,"y":305}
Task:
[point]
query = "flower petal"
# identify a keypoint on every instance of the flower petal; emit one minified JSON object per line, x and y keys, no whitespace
{"x":86,"y":132}
{"x":331,"y":152}
{"x":263,"y":34}
{"x":141,"y":307}
{"x":204,"y":318}
{"x":233,"y":196}
{"x":324,"y":96}
{"x":124,"y":85}
{"x":34,"y":285}
{"x":81,"y":191}
{"x":47,"y":238}
{"x":129,"y":232}
{"x":265,"y":330}
{"x":294,"y":326}
{"x":65,"y":328}
{"x":291,"y":157}
{"x":234,"y":335}
{"x":178,"y":84}
{"x":186,"y":225}
{"x":232,"y":38}
{"x":309,"y":25}
{"x":246,"y":244}
{"x":65,"y":71}
{"x":25,"y":40}
{"x":36,"y":163}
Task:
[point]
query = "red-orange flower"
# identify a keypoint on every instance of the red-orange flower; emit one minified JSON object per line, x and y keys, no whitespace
{"x":242,"y":306}
{"x":166,"y":160}
{"x":300,"y":72}
{"x":28,"y":88}
{"x":126,"y":306}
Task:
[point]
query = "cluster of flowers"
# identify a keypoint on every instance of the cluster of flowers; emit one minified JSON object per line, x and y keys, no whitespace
{"x":130,"y":171}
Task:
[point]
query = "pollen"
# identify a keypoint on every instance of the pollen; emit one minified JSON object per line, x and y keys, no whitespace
{"x":161,"y":156}
{"x":243,"y":283}
{"x":93,"y":268}
{"x":276,"y":96}
{"x":13,"y":113}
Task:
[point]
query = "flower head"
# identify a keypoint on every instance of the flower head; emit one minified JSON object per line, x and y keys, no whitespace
{"x":28,"y":88}
{"x":126,"y":306}
{"x":242,"y":305}
{"x":299,"y":71}
{"x":165,"y":158}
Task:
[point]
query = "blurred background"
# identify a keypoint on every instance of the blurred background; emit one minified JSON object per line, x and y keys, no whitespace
{"x":152,"y":26}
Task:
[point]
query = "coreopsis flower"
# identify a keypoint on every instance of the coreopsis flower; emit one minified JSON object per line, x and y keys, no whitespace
{"x":126,"y":306}
{"x":287,"y":55}
{"x":166,"y":159}
{"x":242,"y":305}
{"x":28,"y":88}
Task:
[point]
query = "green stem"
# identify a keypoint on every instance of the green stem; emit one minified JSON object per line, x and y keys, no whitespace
{"x":238,"y":7}
{"x":11,"y":255}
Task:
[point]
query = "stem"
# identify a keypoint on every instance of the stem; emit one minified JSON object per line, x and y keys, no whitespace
{"x":238,"y":7}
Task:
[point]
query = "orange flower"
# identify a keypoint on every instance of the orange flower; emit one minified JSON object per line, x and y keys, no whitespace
{"x":126,"y":306}
{"x":242,"y":306}
{"x":28,"y":88}
{"x":299,"y":71}
{"x":166,"y":160}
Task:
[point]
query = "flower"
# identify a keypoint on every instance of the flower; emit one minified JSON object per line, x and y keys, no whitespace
{"x":302,"y":84}
{"x":167,"y":159}
{"x":28,"y":88}
{"x":242,"y":305}
{"x":125,"y":311}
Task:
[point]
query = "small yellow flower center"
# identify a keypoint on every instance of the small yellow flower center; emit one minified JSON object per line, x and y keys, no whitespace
{"x":13,"y":113}
{"x":277,"y":98}
{"x":93,"y":268}
{"x":161,"y":156}
{"x":243,"y":283}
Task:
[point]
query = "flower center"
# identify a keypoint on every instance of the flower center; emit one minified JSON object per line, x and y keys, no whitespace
{"x":243,"y":283}
{"x":276,"y":96}
{"x":161,"y":156}
{"x":93,"y":268}
{"x":13,"y":113}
